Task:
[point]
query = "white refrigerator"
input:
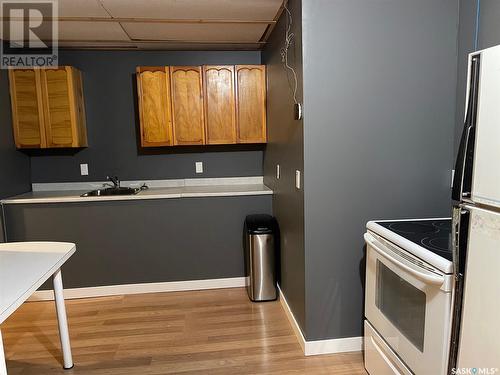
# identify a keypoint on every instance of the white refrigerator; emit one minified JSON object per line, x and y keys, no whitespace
{"x":475,"y":343}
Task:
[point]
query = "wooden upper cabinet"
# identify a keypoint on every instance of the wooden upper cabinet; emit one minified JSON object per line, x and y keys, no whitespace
{"x":27,"y":108}
{"x":48,"y":108}
{"x":194,"y":105}
{"x":187,"y":105}
{"x":251,"y":103}
{"x":220,"y":104}
{"x":153,"y":85}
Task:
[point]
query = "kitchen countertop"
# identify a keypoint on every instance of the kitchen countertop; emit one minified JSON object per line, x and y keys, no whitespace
{"x":213,"y":188}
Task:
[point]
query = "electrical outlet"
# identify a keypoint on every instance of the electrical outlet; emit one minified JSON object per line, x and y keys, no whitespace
{"x":199,"y":167}
{"x":278,"y":172}
{"x":297,"y":179}
{"x":84,"y":169}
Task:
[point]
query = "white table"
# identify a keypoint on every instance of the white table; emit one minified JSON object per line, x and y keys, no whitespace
{"x":24,"y":267}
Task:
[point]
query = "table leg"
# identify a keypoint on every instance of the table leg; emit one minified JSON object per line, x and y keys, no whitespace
{"x":3,"y":366}
{"x":62,"y":320}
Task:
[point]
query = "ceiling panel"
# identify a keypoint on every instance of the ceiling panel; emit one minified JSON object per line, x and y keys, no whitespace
{"x":77,"y":30}
{"x":194,"y":9}
{"x":166,"y":24}
{"x":195,"y":32}
{"x":81,"y":8}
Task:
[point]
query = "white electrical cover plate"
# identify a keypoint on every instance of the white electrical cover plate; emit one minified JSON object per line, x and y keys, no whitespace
{"x":84,"y":169}
{"x":199,"y":167}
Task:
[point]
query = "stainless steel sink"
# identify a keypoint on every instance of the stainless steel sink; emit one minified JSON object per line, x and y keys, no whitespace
{"x":112,"y":191}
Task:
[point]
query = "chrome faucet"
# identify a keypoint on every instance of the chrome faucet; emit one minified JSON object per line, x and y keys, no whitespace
{"x":115,"y":180}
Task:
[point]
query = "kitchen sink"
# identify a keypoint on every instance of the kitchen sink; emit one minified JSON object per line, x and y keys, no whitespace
{"x":112,"y":191}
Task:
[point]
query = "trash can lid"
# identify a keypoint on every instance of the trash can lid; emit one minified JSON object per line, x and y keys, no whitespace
{"x":260,"y":224}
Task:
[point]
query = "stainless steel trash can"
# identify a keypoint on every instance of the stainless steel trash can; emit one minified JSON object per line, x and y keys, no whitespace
{"x":260,"y":257}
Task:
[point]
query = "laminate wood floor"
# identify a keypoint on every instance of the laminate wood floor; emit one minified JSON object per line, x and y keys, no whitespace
{"x":200,"y":332}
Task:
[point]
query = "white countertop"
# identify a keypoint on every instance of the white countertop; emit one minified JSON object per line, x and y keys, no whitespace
{"x":24,"y":266}
{"x":187,"y":191}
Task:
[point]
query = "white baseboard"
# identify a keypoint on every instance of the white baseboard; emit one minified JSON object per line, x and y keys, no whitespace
{"x":349,"y":344}
{"x":291,"y":319}
{"x":113,"y":290}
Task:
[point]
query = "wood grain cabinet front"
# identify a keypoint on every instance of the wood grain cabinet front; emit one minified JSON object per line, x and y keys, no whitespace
{"x":251,"y":103}
{"x":187,"y":105}
{"x":48,"y":108}
{"x":27,"y":108}
{"x":220,"y":104}
{"x":153,"y":85}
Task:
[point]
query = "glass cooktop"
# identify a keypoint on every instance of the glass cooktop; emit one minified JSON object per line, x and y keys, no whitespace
{"x":433,"y":235}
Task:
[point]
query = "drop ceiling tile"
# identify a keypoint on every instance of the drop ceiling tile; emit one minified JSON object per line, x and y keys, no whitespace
{"x":81,"y":8}
{"x":194,"y":9}
{"x":91,"y":31}
{"x":195,"y":32}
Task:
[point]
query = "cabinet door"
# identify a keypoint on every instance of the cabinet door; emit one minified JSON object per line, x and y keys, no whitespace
{"x":220,"y":105}
{"x":153,"y":85}
{"x":251,"y":103}
{"x":27,"y":108}
{"x":79,"y":115}
{"x":59,"y":105}
{"x":187,"y":105}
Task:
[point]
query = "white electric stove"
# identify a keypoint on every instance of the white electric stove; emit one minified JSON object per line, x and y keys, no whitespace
{"x":409,"y":294}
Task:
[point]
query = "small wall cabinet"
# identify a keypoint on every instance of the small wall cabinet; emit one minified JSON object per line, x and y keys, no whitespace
{"x":196,"y":105}
{"x":48,"y":107}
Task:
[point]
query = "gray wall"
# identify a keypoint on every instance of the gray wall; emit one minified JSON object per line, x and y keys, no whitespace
{"x":488,"y":35}
{"x":286,"y":148}
{"x":14,"y":165}
{"x":143,"y":240}
{"x":379,"y":103}
{"x":110,"y":99}
{"x":489,"y":24}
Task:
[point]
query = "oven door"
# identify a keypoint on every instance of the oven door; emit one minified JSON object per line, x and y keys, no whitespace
{"x":408,"y":302}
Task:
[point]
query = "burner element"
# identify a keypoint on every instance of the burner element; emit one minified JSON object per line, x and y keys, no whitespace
{"x":438,"y":243}
{"x":408,"y":227}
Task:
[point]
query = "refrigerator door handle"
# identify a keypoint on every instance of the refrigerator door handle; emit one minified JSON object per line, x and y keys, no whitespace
{"x":460,"y":236}
{"x":465,"y":191}
{"x":462,"y":183}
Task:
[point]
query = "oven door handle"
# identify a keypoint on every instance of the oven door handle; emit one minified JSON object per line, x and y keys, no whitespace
{"x":425,"y":276}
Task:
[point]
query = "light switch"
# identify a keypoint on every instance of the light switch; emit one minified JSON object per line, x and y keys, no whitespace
{"x":297,"y":179}
{"x":278,"y":172}
{"x":199,"y":167}
{"x":84,"y":169}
